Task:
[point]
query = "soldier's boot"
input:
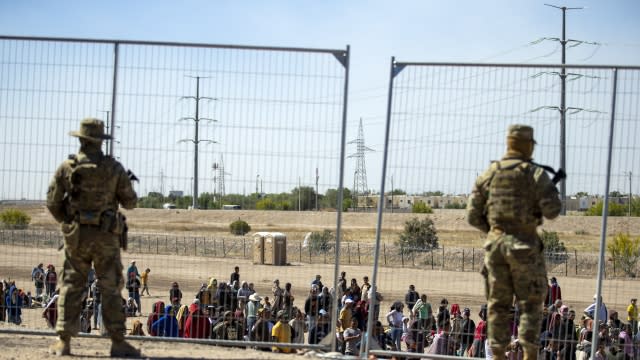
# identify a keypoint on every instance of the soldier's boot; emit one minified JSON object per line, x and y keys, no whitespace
{"x":123,"y":349}
{"x":62,"y":347}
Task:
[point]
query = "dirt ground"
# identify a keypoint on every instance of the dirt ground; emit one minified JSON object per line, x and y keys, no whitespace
{"x":464,"y":288}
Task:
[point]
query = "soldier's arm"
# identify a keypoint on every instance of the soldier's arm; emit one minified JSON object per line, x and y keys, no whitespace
{"x":124,"y":192}
{"x":476,"y":215}
{"x":547,"y":195}
{"x":55,"y":195}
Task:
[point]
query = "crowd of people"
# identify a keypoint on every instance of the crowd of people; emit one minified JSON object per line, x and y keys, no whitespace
{"x":233,"y":310}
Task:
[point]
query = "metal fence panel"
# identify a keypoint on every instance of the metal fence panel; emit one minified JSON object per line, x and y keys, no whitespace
{"x":251,"y":126}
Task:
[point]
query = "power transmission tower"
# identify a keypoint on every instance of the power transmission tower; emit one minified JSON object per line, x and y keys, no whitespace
{"x":196,"y":140}
{"x":360,"y":175}
{"x":562,"y":109}
{"x":219,"y":178}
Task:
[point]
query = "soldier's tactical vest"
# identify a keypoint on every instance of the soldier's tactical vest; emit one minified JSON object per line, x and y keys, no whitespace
{"x":92,"y":188}
{"x":511,"y":201}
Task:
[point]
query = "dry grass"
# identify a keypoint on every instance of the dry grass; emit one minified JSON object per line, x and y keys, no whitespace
{"x":579,"y":233}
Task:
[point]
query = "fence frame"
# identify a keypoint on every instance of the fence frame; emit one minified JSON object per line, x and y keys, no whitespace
{"x":341,"y":55}
{"x":395,"y":68}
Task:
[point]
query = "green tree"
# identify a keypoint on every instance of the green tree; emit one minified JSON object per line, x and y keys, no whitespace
{"x":551,"y":242}
{"x":615,"y":209}
{"x":625,"y":253}
{"x":433,"y":193}
{"x":321,"y":242}
{"x":153,"y":200}
{"x":582,"y":193}
{"x":455,"y":205}
{"x":265,"y":204}
{"x":398,"y":192}
{"x":307,"y":197}
{"x":14,"y":219}
{"x":239,"y":227}
{"x":418,"y":235}
{"x":420,"y":207}
{"x":330,"y":199}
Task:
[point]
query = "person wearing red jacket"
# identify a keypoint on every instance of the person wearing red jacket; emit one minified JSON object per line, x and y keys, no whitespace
{"x":197,"y":324}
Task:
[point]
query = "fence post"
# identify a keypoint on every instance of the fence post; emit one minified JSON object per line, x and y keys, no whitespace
{"x":473,"y":259}
{"x":244,"y":247}
{"x":402,"y":255}
{"x":431,"y":259}
{"x":325,"y":256}
{"x":442,"y":257}
{"x":462,"y":260}
{"x":349,"y":253}
{"x":384,"y":250}
{"x":309,"y":247}
{"x":576,"y":258}
{"x":566,"y":263}
{"x":224,"y":251}
{"x":359,"y":254}
{"x":300,"y":252}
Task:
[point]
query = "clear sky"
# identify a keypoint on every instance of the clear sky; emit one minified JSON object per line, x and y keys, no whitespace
{"x":457,"y":31}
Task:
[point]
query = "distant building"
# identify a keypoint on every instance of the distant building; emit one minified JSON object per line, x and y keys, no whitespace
{"x":176,"y":193}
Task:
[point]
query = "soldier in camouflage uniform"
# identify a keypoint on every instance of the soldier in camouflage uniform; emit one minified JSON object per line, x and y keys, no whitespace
{"x":84,"y":197}
{"x":507,"y":203}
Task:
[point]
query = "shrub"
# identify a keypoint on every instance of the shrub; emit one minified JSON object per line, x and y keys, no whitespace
{"x":239,"y":227}
{"x":321,"y":242}
{"x":625,"y":253}
{"x":554,"y":248}
{"x":14,"y":219}
{"x":418,"y":235}
{"x":421,"y":208}
{"x":614,"y":209}
{"x":265,"y":204}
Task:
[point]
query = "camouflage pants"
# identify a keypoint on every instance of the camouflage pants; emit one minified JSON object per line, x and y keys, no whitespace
{"x":85,"y":245}
{"x":514,"y":267}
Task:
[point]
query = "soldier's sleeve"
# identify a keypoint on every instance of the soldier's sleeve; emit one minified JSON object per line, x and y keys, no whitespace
{"x":56,"y":193}
{"x":124,"y":192}
{"x":476,"y":215}
{"x":547,"y":195}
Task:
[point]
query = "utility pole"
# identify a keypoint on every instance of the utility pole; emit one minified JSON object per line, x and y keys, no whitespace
{"x":563,"y":107}
{"x":630,"y":194}
{"x":196,"y":139}
{"x":299,"y":194}
{"x":109,"y":131}
{"x":317,"y":178}
{"x":162,"y":182}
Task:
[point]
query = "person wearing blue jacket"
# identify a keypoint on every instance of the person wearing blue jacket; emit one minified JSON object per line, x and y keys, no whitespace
{"x":167,"y":325}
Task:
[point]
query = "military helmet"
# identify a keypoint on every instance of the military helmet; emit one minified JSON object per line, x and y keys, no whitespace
{"x":521,"y":132}
{"x":91,"y":129}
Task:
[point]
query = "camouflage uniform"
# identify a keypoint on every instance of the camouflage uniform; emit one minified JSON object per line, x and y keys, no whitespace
{"x":507,"y":203}
{"x":84,"y":196}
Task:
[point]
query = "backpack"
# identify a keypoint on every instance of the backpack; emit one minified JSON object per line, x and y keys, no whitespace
{"x":510,"y":197}
{"x":93,"y":186}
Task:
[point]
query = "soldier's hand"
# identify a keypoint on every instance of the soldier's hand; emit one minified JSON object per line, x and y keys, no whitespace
{"x":559,"y":176}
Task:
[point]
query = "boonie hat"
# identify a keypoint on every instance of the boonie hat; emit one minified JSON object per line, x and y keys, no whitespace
{"x":91,"y":129}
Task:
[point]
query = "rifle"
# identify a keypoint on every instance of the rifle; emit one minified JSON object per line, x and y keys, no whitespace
{"x":558,"y":175}
{"x":132,"y":176}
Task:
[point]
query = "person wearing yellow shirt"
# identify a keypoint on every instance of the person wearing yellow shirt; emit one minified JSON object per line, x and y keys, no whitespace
{"x":632,"y":316}
{"x":281,"y":333}
{"x":144,"y":280}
